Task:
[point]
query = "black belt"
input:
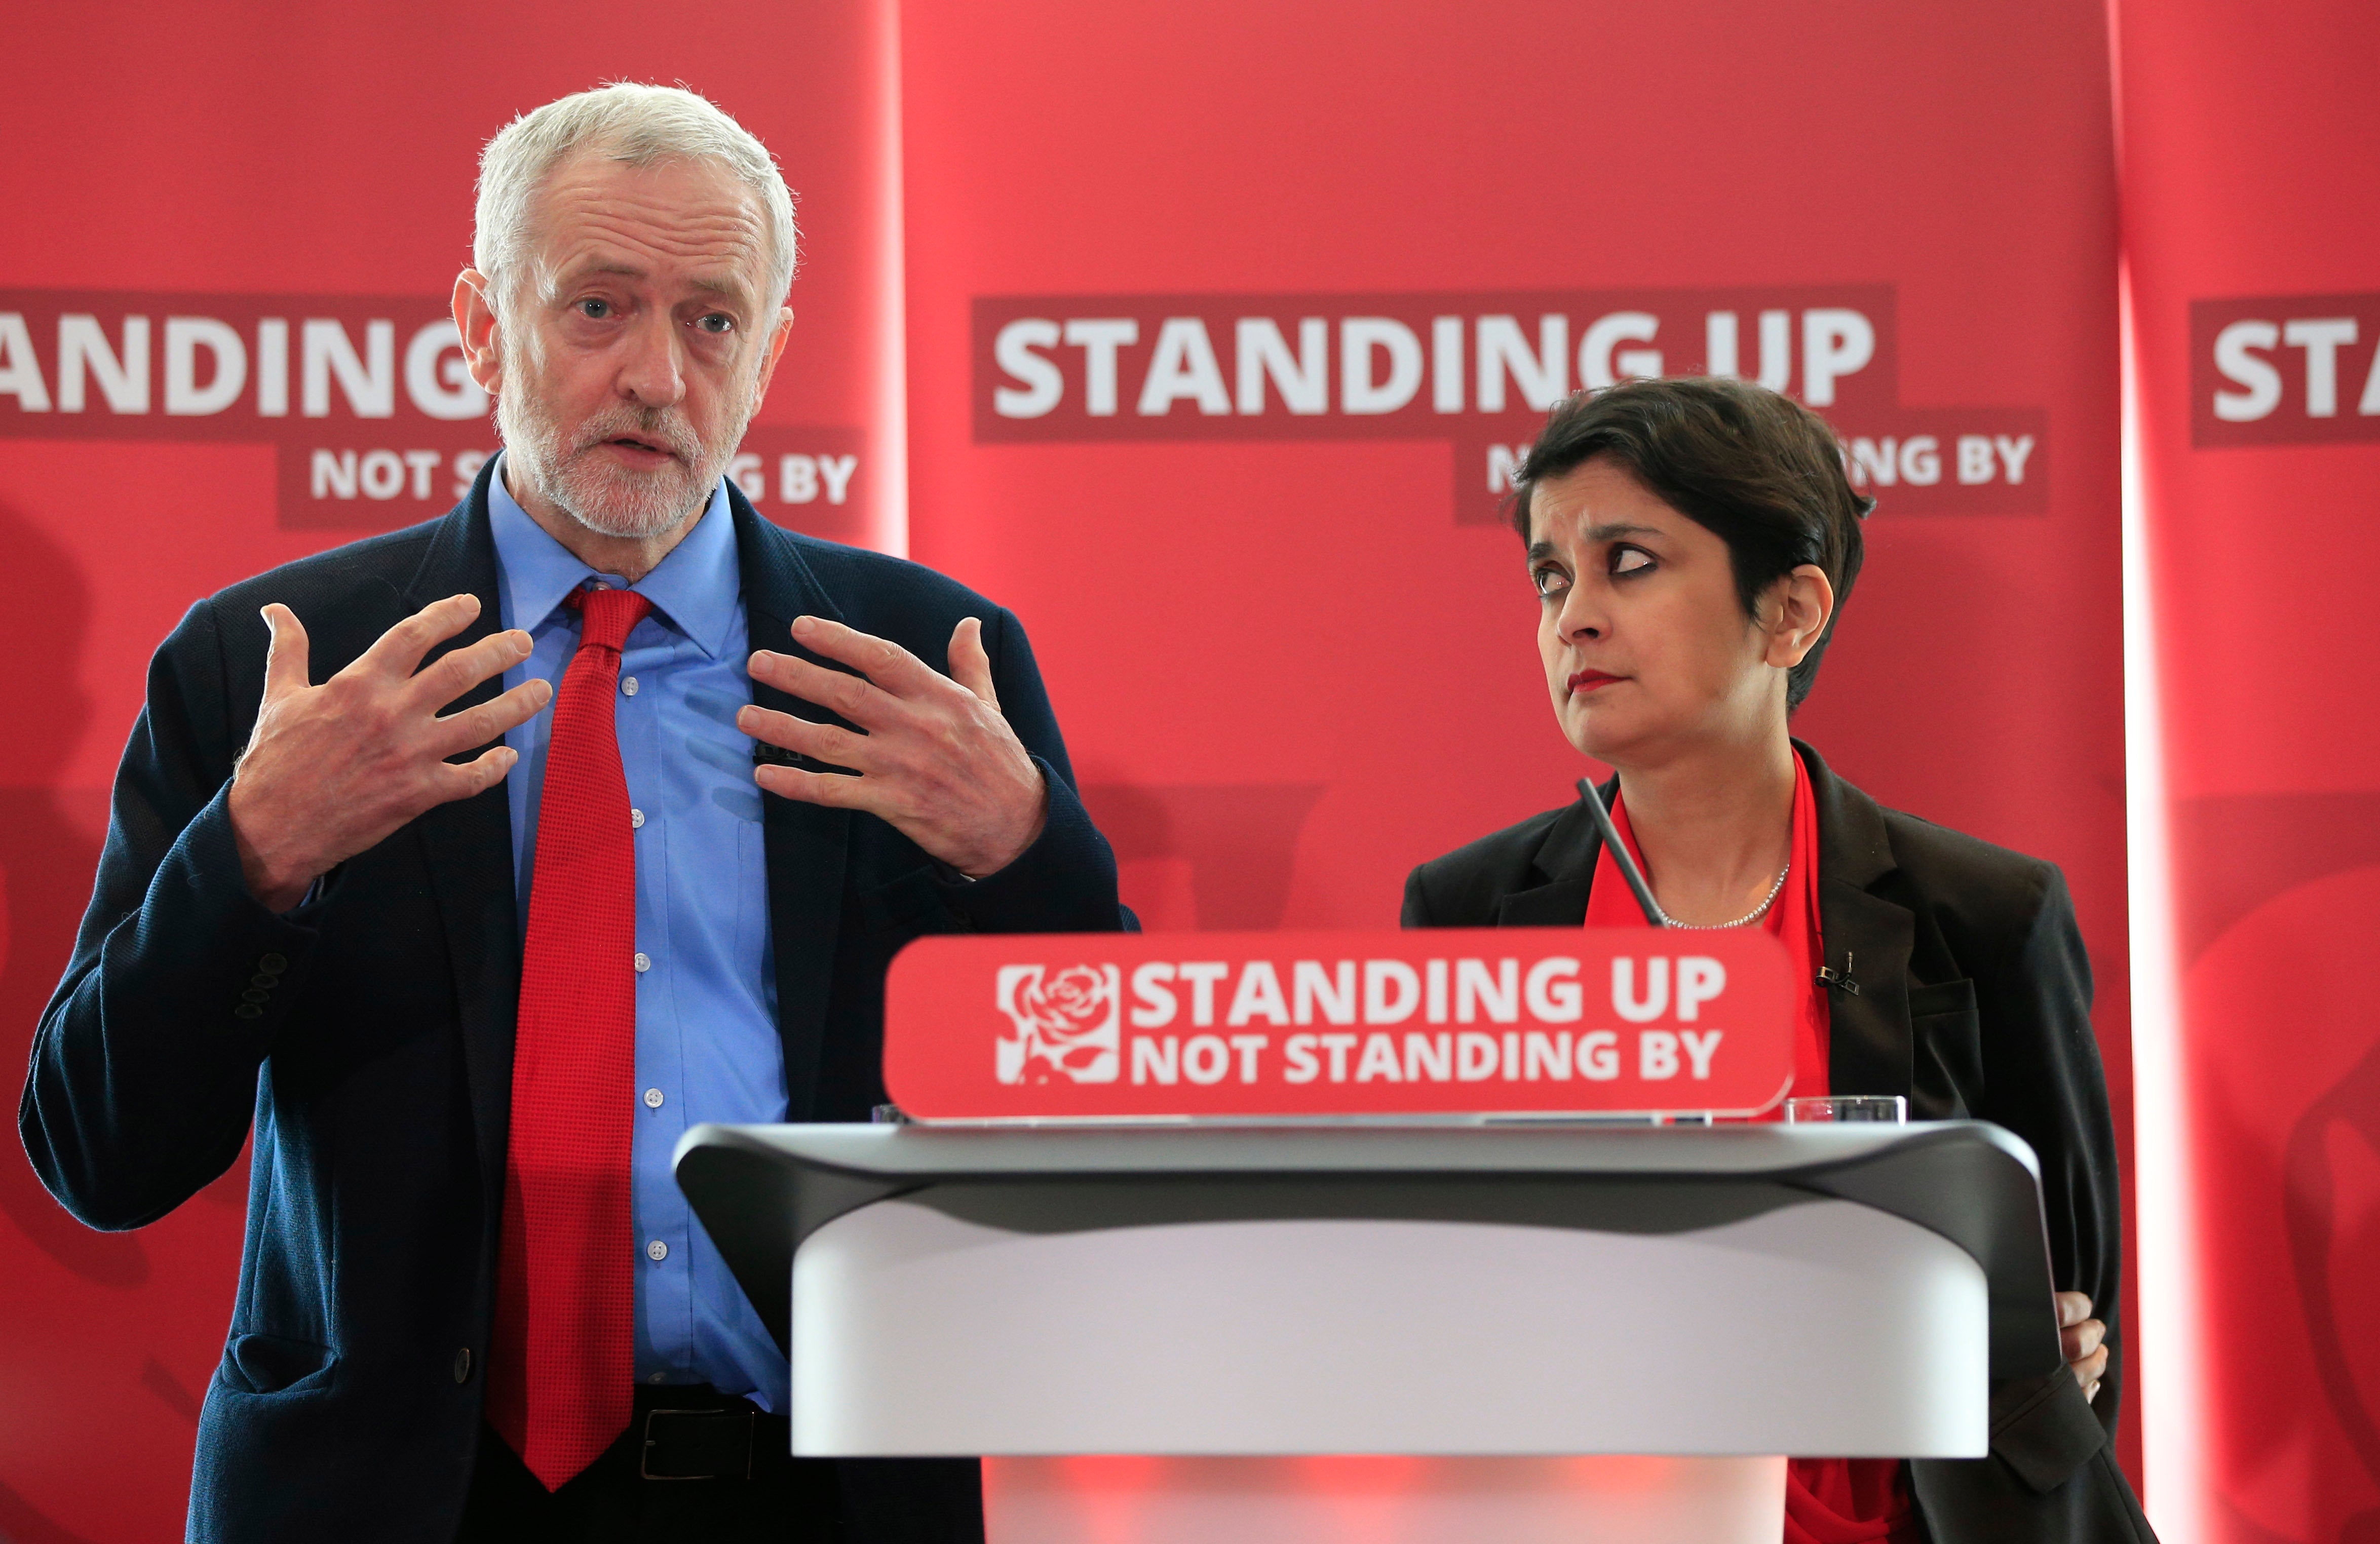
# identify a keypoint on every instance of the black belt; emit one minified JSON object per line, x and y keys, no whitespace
{"x":726,"y":1440}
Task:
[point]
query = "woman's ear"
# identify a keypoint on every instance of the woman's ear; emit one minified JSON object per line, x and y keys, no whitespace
{"x":1805,"y":601}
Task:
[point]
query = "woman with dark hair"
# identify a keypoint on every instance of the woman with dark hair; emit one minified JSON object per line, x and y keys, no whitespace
{"x":1691,"y":543}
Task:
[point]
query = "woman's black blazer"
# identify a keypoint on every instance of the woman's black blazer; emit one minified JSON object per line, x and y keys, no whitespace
{"x":1973,"y":1001}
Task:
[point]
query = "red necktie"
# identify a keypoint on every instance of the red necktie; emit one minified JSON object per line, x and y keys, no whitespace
{"x":560,"y":1367}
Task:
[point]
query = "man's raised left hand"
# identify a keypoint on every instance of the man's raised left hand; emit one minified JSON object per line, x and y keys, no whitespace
{"x":936,"y":758}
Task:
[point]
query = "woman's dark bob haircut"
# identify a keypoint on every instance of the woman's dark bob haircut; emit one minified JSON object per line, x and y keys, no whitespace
{"x":1753,"y":465}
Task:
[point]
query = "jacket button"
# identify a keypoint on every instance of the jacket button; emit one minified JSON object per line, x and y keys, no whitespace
{"x":248,"y":1010}
{"x":463,"y":1365}
{"x":274,"y":965}
{"x":264,"y":983}
{"x":254,"y":994}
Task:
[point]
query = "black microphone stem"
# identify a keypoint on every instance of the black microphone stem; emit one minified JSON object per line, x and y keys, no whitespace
{"x":1619,"y":850}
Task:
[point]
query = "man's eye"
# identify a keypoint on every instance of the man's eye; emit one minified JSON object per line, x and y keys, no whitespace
{"x":716,"y":323}
{"x":595,"y":310}
{"x":1630,"y":560}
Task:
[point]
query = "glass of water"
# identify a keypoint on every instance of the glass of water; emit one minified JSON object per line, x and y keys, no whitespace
{"x":1891,"y":1108}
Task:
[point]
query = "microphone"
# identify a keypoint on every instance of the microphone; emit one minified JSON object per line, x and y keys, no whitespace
{"x":1654,"y":915}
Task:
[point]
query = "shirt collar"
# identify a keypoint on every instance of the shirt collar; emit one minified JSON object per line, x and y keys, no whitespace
{"x":695,"y":589}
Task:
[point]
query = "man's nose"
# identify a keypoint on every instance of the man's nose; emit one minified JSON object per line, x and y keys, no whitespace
{"x":652,"y":367}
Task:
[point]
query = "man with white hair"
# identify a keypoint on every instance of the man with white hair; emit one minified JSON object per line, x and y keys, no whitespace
{"x":476,"y":862}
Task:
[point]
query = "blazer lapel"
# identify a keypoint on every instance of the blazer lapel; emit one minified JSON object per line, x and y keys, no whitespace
{"x":808,"y":845}
{"x":1566,"y":858}
{"x":467,"y":846}
{"x":1869,"y":1049}
{"x":1866,"y":938}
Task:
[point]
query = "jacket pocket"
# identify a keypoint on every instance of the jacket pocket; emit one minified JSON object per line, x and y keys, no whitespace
{"x":1942,"y":997}
{"x":1946,"y":1070}
{"x":2045,"y":1429}
{"x":274,"y":1364}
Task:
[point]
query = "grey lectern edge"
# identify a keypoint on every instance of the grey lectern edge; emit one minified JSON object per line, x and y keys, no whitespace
{"x":761,"y":1190}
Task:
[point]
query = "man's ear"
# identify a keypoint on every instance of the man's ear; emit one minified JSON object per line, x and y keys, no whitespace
{"x":776,"y":350}
{"x":475,"y":319}
{"x":1805,"y":601}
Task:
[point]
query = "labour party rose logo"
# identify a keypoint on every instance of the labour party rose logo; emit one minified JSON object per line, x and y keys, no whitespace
{"x":1069,"y":1021}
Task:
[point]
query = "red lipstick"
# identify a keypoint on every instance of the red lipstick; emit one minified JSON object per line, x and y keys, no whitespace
{"x":1587,"y":680}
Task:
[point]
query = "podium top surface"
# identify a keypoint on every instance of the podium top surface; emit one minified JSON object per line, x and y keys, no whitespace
{"x":989,"y":1152}
{"x":761,"y":1190}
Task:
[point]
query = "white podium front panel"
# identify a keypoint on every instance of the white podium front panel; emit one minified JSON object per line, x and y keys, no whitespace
{"x":1824,"y":1327}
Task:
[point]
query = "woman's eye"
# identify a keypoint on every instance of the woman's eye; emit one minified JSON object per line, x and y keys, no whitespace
{"x":1630,"y":560}
{"x":1548,"y":582}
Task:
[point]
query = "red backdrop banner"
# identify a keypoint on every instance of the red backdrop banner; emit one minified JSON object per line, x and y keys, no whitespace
{"x":2252,"y":228}
{"x":1291,"y":660}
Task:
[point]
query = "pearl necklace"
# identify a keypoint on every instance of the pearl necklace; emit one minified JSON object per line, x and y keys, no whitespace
{"x":1754,"y":915}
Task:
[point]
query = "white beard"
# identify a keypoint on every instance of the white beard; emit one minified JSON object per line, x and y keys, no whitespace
{"x":607,"y":498}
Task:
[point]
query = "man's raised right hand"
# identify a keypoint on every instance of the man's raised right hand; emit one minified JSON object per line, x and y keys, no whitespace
{"x":332,"y":769}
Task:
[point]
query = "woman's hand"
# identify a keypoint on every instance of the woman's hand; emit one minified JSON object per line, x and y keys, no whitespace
{"x":2085,"y":1340}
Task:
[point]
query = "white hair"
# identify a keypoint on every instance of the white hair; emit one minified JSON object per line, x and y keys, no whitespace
{"x":636,"y":126}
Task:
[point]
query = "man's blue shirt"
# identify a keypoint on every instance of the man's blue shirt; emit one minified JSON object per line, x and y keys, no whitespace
{"x":707,"y":1044}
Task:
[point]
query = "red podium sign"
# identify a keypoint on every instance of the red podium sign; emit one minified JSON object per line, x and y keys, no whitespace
{"x":1470,"y":1021}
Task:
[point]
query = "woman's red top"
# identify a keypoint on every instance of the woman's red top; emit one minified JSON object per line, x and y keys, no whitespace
{"x":1827,"y":1501}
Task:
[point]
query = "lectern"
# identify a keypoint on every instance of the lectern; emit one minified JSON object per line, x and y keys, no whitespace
{"x":1561,"y":1331}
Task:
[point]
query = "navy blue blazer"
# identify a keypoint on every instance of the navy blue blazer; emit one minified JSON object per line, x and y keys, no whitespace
{"x":369,"y":1035}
